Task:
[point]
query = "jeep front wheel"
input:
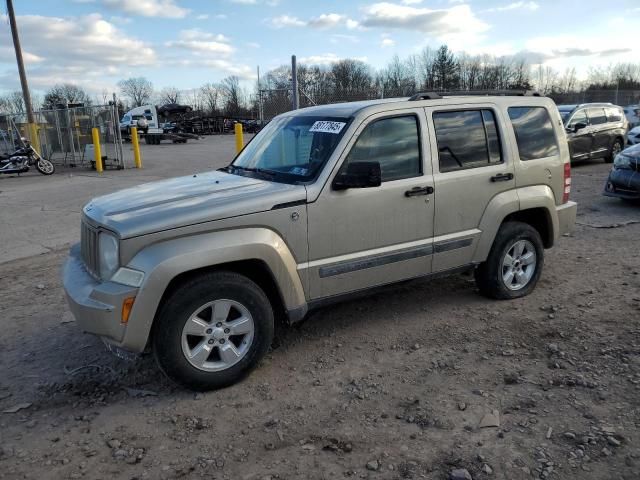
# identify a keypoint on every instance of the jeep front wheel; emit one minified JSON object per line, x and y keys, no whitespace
{"x":514,"y":264}
{"x":213,"y":330}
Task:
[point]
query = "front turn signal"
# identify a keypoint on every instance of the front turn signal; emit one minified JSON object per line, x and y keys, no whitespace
{"x":127,"y":305}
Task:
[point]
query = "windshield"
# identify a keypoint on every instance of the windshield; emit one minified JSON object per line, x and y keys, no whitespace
{"x":565,"y":115}
{"x":291,"y":149}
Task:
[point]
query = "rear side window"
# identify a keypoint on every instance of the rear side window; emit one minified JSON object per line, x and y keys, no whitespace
{"x":613,"y":114}
{"x":466,"y":139}
{"x":597,"y":116}
{"x":534,"y":132}
{"x":394,"y":143}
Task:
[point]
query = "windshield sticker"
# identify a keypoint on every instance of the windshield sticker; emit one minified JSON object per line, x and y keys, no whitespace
{"x":299,"y":171}
{"x":324,"y":126}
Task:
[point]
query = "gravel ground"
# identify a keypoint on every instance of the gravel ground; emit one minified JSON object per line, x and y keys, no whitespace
{"x":419,"y":381}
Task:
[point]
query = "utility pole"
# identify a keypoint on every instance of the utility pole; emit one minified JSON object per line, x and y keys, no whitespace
{"x":294,"y":81}
{"x":23,"y":76}
{"x":260,"y":112}
{"x":26,"y":96}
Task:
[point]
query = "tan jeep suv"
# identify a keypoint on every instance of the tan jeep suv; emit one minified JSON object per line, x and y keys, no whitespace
{"x":323,"y":203}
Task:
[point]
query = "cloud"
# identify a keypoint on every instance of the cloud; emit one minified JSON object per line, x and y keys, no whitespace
{"x":329,"y":20}
{"x":324,"y":21}
{"x":86,"y":48}
{"x":387,"y":42}
{"x":326,"y":59}
{"x":530,"y":6}
{"x":149,"y":8}
{"x":209,"y":50}
{"x":200,"y":42}
{"x":88,"y":41}
{"x":574,"y":46}
{"x":286,"y":21}
{"x":454,"y":20}
{"x":245,"y":72}
{"x":342,"y":38}
{"x":202,"y":16}
{"x":269,"y":3}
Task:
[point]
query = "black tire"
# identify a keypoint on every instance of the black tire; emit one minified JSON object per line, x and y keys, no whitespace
{"x":616,"y":148}
{"x":489,"y":275}
{"x":45,"y":167}
{"x":185,"y":300}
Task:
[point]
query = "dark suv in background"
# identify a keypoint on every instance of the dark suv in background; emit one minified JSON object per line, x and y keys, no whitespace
{"x":594,"y":130}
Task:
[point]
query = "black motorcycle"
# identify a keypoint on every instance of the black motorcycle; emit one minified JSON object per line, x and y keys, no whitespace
{"x":23,"y":158}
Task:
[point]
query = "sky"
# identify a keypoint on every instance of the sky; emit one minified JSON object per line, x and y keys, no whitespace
{"x":186,"y":43}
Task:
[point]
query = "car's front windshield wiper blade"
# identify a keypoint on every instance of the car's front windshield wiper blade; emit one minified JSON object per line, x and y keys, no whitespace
{"x":255,"y":170}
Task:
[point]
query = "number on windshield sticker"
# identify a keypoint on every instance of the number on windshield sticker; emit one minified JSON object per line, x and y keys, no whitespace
{"x":324,"y":126}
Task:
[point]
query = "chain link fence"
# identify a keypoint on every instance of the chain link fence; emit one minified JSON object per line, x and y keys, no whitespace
{"x":617,"y":97}
{"x":276,"y":101}
{"x":65,"y":135}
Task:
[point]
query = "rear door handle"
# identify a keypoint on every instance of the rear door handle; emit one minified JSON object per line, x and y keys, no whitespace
{"x":502,"y":177}
{"x":416,"y":191}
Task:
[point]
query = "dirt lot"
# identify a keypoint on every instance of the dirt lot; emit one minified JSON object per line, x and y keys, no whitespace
{"x":397,"y":385}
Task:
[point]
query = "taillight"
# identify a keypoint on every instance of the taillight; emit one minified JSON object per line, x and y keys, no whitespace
{"x":567,"y":182}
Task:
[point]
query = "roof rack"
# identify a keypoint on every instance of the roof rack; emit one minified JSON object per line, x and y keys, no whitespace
{"x":452,"y":93}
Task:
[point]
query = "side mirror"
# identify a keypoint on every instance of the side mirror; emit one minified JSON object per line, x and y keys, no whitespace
{"x":579,"y":126}
{"x":358,"y":175}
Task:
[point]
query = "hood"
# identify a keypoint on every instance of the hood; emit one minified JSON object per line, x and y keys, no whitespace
{"x":183,"y":201}
{"x":633,"y":151}
{"x":634,"y":131}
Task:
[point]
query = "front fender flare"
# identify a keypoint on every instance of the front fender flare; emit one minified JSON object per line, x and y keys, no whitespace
{"x":163,"y":261}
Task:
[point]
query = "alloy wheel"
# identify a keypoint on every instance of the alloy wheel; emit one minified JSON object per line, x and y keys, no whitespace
{"x":519,"y":265}
{"x":217,"y":335}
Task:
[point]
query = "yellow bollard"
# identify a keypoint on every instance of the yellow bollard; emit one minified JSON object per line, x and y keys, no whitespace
{"x":137,"y":159}
{"x":239,"y":141}
{"x":33,"y":137}
{"x":97,"y":153}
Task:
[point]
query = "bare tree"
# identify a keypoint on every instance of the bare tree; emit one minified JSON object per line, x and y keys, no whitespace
{"x":210,"y":94}
{"x":546,"y":78}
{"x":15,"y":102}
{"x":170,"y":95}
{"x":138,"y":90}
{"x":232,"y":94}
{"x":397,"y":79}
{"x":65,"y":93}
{"x":568,"y":81}
{"x":352,"y":80}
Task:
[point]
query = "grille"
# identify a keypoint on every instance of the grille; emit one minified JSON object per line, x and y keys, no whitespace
{"x":89,"y":249}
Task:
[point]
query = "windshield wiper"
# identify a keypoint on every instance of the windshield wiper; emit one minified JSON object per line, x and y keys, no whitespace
{"x":264,"y":171}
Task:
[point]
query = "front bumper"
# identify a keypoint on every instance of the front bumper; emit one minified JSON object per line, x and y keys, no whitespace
{"x":566,"y":217}
{"x":623,"y":183}
{"x":97,"y":306}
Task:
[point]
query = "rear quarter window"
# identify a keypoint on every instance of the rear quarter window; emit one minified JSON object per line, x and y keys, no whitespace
{"x":534,"y":132}
{"x":614,"y":114}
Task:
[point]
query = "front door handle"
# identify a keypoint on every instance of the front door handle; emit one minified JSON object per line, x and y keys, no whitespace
{"x":416,"y":191}
{"x":502,"y":177}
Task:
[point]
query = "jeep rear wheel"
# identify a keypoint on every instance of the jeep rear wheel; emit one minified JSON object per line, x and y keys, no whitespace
{"x":514,"y":264}
{"x":213,"y":330}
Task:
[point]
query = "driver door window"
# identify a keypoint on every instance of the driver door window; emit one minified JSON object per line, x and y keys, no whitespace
{"x":394,"y":143}
{"x":578,"y":117}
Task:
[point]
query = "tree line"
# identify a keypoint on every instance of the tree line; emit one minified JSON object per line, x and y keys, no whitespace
{"x":350,"y":79}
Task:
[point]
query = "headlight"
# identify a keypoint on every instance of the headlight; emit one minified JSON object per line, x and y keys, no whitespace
{"x":109,"y":255}
{"x":622,"y":162}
